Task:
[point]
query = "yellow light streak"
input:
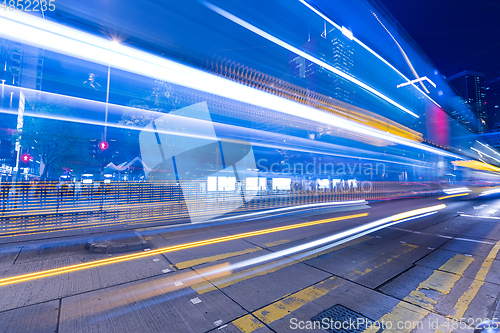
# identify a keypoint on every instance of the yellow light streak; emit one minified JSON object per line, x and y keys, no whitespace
{"x":453,"y":195}
{"x":133,"y":256}
{"x":476,"y":165}
{"x":122,"y":258}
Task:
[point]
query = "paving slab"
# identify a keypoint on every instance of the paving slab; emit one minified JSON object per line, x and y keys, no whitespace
{"x":403,"y":250}
{"x":424,"y":240}
{"x":482,"y":306}
{"x":151,"y":305}
{"x":439,"y":257}
{"x":47,"y":253}
{"x":452,"y":227}
{"x":389,"y":233}
{"x":287,"y":244}
{"x":231,"y":328}
{"x":8,"y":256}
{"x":368,"y":269}
{"x":189,"y":236}
{"x":365,"y":301}
{"x":481,"y":229}
{"x":40,"y":318}
{"x":63,"y":285}
{"x":405,"y":283}
{"x":211,"y":252}
{"x":259,"y":285}
{"x":433,"y":321}
{"x":493,"y":275}
{"x":476,"y":249}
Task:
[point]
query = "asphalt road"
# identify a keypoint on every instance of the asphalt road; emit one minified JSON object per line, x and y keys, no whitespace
{"x":270,"y":273}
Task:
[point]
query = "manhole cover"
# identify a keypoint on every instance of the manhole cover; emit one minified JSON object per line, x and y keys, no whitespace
{"x":339,"y":319}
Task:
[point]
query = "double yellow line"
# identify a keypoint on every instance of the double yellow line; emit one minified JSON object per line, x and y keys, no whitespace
{"x":103,"y":262}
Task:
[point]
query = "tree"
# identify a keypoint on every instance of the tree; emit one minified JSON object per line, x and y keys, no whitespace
{"x":162,"y":98}
{"x":59,"y":143}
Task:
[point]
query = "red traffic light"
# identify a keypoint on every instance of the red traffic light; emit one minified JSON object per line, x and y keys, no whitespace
{"x":103,"y":145}
{"x":25,"y":158}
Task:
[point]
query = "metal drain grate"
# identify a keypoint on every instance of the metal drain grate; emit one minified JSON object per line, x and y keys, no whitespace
{"x":339,"y":319}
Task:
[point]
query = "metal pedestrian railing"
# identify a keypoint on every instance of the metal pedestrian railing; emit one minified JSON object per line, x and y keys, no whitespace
{"x":50,"y":205}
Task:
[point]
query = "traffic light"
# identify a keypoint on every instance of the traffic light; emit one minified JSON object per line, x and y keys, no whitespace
{"x":103,"y":145}
{"x":25,"y":159}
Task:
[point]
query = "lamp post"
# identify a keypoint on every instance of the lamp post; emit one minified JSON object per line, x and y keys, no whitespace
{"x":107,"y":103}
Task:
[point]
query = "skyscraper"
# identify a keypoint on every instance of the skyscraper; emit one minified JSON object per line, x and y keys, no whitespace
{"x":21,"y":65}
{"x":470,"y":86}
{"x":335,"y":51}
{"x":492,"y":90}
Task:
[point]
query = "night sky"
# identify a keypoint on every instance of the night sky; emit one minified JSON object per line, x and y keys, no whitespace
{"x":455,"y":34}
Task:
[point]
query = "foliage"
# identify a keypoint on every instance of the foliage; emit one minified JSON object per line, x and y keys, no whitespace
{"x":161,"y":99}
{"x":60,"y":144}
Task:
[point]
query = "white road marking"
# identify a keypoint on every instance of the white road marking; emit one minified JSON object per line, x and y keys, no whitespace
{"x":218,"y":322}
{"x":156,"y":259}
{"x":481,"y":217}
{"x":196,"y":300}
{"x":447,"y":237}
{"x":166,"y":270}
{"x":474,"y":240}
{"x":179,"y":283}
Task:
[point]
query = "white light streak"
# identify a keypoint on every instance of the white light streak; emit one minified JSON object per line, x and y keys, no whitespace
{"x":482,"y":144}
{"x":324,"y":204}
{"x":368,"y":49}
{"x":338,"y":238}
{"x":482,"y":153}
{"x":305,"y":55}
{"x":489,"y":192}
{"x":51,"y":36}
{"x":456,"y":190}
{"x":346,"y":32}
{"x":415,"y":81}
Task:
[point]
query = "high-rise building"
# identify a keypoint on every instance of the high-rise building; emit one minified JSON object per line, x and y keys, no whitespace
{"x":470,"y":86}
{"x":21,"y":65}
{"x":335,"y":51}
{"x":492,"y":90}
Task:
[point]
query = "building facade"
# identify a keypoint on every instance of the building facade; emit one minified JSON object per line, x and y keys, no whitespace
{"x":333,"y":49}
{"x":470,"y":86}
{"x":492,"y":90}
{"x":21,"y":65}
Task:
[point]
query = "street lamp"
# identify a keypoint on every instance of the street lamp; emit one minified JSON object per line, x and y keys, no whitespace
{"x":107,"y":103}
{"x":115,"y":43}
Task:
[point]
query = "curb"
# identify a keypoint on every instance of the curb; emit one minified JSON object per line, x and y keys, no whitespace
{"x":117,"y":245}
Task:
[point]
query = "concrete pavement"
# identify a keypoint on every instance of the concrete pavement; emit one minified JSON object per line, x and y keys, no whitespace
{"x":420,"y":273}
